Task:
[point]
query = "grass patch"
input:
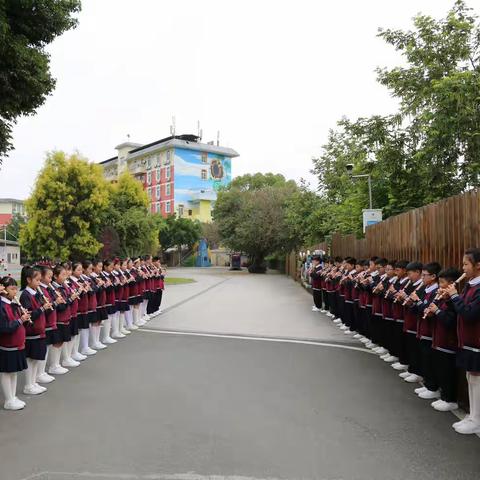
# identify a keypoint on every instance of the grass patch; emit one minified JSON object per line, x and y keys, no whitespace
{"x":178,"y":280}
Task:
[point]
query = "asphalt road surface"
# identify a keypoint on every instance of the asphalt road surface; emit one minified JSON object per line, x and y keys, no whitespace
{"x":203,"y":392}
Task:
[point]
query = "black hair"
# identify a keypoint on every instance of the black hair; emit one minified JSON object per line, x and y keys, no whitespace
{"x":450,"y":274}
{"x":401,"y":264}
{"x":316,"y":257}
{"x":366,"y":263}
{"x":86,"y":264}
{"x":373,"y":259}
{"x":44,"y":269}
{"x":58,"y":269}
{"x":381,"y":261}
{"x":473,"y":255}
{"x":76,"y":264}
{"x":8,"y":282}
{"x":414,"y":266}
{"x":95,"y":262}
{"x":338,"y":259}
{"x":67,"y":265}
{"x":391,"y":262}
{"x":27,"y":272}
{"x":433,"y":268}
{"x":351,"y":260}
{"x":155,"y":259}
{"x":107,"y":263}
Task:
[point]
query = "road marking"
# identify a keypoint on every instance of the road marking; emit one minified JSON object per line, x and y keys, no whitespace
{"x":257,"y":338}
{"x":128,"y":476}
{"x":201,"y":292}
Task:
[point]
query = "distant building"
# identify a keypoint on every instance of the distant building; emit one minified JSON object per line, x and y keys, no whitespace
{"x":8,"y":208}
{"x":179,"y":173}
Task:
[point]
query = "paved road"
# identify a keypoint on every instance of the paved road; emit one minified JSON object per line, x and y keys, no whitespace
{"x":169,"y":406}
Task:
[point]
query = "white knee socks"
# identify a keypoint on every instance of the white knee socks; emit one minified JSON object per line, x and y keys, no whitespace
{"x":6,"y":383}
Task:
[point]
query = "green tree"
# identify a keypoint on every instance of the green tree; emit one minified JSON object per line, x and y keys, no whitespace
{"x":426,"y":151}
{"x":65,"y":209}
{"x":26,"y":28}
{"x":252,"y":219}
{"x":13,"y":228}
{"x":136,"y":230}
{"x":177,"y":232}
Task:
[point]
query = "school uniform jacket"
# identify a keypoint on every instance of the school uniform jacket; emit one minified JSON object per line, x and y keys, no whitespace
{"x":467,"y":306}
{"x":444,"y":328}
{"x":12,"y":331}
{"x":32,"y":302}
{"x":425,"y":325}
{"x":50,"y":315}
{"x":315,"y":277}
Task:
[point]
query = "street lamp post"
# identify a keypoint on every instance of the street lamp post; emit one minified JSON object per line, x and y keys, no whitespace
{"x":349,"y":167}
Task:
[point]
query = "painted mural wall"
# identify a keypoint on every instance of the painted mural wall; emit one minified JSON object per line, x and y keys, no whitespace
{"x":199,"y":173}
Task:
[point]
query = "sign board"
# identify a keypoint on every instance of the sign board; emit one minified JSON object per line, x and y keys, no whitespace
{"x":371,"y":217}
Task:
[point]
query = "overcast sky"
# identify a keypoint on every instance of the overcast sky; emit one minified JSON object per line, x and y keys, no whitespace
{"x":272,"y":76}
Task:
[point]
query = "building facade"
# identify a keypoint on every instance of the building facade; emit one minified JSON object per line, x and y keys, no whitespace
{"x":180,"y":174}
{"x":8,"y":208}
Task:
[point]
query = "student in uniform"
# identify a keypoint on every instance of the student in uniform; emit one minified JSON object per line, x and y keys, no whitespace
{"x":315,"y":275}
{"x":110,"y":302}
{"x":53,"y":336}
{"x":12,"y":343}
{"x":36,"y":344}
{"x":397,"y":310}
{"x":430,"y":272}
{"x":81,"y":323}
{"x":412,"y":345}
{"x":347,"y":286}
{"x":88,"y":324}
{"x":161,"y":284}
{"x":444,"y":342}
{"x":467,"y":306}
{"x":121,"y":300}
{"x":66,"y":309}
{"x":101,"y":310}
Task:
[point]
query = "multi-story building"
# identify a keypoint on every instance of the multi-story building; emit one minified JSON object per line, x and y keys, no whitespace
{"x":180,"y":174}
{"x":8,"y":208}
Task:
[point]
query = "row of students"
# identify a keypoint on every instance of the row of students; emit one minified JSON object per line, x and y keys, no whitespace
{"x":67,"y":312}
{"x":414,"y":317}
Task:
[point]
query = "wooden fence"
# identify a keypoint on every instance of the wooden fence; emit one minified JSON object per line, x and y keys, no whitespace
{"x":440,"y":232}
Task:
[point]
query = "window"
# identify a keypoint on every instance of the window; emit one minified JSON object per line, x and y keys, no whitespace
{"x":190,"y":213}
{"x":168,"y":189}
{"x":158,"y":192}
{"x":149,"y":162}
{"x":167,"y":207}
{"x":158,"y":175}
{"x":167,"y":161}
{"x":204,"y":174}
{"x":157,"y":207}
{"x":149,"y":178}
{"x":204,"y":157}
{"x":167,"y":173}
{"x":149,"y":192}
{"x":180,"y":210}
{"x":157,"y":160}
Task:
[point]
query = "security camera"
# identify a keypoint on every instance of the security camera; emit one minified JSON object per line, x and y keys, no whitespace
{"x":349,"y":168}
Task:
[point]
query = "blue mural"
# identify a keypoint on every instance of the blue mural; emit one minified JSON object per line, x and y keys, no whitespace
{"x":199,"y":173}
{"x":202,"y":259}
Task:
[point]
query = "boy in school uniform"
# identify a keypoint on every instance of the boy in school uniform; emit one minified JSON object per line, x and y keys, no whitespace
{"x":315,"y":273}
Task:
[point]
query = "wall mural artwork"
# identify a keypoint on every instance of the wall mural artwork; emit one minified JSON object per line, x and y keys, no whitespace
{"x":199,"y":173}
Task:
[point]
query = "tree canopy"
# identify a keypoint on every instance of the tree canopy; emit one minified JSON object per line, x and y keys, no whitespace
{"x":429,"y":148}
{"x":65,"y":210}
{"x":251,"y":216}
{"x":176,"y":232}
{"x":128,"y":228}
{"x":26,"y":28}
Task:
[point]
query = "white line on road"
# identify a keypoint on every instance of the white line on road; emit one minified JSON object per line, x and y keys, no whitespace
{"x":262,"y":339}
{"x":127,"y":476}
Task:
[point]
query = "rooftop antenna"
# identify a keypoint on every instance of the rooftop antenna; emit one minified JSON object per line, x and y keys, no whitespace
{"x":172,"y":127}
{"x":199,"y":131}
{"x":218,"y":138}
